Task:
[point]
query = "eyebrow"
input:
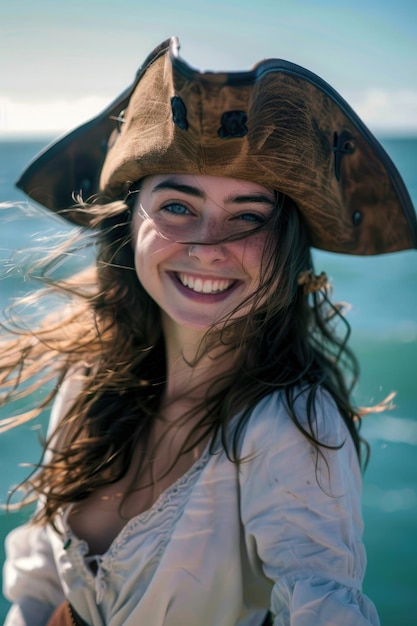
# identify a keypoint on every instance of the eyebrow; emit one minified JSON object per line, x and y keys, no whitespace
{"x":171,"y":185}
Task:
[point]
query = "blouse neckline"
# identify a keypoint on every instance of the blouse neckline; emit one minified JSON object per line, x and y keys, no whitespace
{"x":157,"y":508}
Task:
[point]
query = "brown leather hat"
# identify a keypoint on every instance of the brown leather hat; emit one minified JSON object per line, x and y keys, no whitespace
{"x":278,"y":125}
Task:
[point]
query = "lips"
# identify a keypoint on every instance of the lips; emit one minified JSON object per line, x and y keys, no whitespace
{"x":205,"y":285}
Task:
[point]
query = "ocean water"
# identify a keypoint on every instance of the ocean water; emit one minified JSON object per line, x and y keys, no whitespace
{"x":382,"y":292}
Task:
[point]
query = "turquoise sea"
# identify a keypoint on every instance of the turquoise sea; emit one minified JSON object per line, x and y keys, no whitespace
{"x":382,"y":292}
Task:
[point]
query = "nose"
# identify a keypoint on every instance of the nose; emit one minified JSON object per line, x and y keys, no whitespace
{"x":209,"y":247}
{"x":207,"y":252}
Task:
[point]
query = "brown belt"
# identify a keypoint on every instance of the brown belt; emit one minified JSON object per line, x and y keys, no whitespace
{"x":64,"y":615}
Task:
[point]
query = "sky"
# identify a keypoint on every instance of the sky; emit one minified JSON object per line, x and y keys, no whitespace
{"x":62,"y":62}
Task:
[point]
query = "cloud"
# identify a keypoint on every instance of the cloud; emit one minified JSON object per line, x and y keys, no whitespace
{"x":18,"y":118}
{"x":381,"y":110}
{"x":392,"y":111}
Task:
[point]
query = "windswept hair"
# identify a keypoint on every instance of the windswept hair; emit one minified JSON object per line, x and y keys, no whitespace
{"x":109,"y":333}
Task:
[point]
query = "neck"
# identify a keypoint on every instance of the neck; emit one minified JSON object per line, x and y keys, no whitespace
{"x":192,"y":364}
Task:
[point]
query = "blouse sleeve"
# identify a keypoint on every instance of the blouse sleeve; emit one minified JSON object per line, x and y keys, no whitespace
{"x":30,"y":576}
{"x":302,"y":516}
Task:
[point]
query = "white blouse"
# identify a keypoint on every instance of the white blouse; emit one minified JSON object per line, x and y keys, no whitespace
{"x":222,"y":545}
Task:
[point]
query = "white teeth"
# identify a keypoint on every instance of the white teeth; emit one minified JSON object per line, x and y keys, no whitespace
{"x":204,"y":285}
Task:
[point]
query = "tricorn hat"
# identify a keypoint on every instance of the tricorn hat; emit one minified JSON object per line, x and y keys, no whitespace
{"x":277,"y":124}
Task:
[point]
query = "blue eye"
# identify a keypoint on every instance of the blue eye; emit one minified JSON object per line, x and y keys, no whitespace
{"x":255,"y":218}
{"x":176,"y":208}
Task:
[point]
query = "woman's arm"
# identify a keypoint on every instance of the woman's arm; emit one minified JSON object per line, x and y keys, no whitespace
{"x":302,"y":516}
{"x":30,"y":577}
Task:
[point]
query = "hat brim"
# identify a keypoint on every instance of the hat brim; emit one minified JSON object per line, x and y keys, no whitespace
{"x":359,"y":205}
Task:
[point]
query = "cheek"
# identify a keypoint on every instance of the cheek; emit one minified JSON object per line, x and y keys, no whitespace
{"x":145,"y":238}
{"x":150,"y":249}
{"x":143,"y":241}
{"x":250,"y":251}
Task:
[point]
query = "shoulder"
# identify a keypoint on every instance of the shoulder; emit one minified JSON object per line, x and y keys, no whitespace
{"x":317,"y":414}
{"x":272,"y":442}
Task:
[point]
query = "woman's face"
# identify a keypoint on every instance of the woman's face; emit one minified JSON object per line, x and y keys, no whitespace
{"x":180,"y":224}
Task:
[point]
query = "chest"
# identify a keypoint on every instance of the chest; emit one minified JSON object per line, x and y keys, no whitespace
{"x":102,"y":516}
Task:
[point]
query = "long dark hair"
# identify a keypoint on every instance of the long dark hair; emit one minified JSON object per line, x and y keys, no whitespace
{"x":288,"y":342}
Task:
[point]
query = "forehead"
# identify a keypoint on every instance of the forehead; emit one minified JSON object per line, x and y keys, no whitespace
{"x":206,"y":186}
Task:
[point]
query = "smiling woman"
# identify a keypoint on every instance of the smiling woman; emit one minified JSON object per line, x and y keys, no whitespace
{"x":203,"y":457}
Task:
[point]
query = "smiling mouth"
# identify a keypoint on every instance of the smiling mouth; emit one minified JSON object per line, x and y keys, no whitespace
{"x":205,"y":285}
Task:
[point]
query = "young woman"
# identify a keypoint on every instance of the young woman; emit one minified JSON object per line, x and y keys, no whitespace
{"x":202,"y":464}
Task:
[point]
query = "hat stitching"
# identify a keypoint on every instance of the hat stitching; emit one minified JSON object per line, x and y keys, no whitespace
{"x":179,"y":112}
{"x":233,"y":124}
{"x":342,"y":144}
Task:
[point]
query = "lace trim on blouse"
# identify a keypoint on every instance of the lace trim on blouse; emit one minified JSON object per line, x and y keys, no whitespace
{"x":161,"y":518}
